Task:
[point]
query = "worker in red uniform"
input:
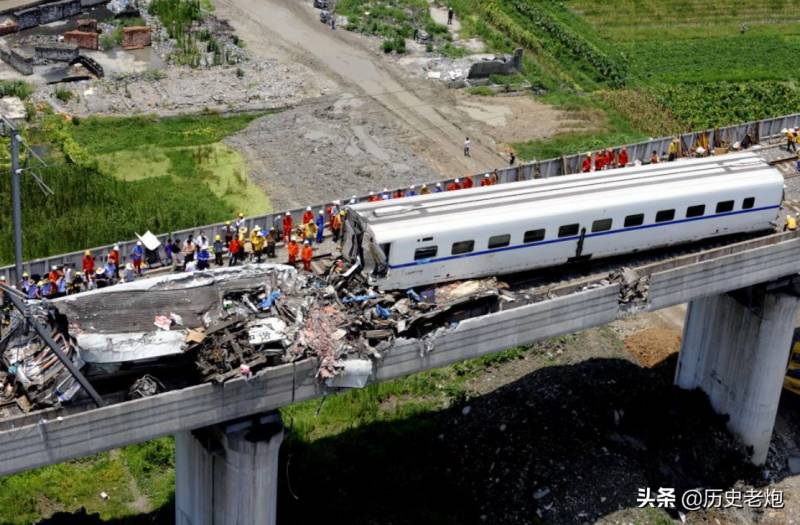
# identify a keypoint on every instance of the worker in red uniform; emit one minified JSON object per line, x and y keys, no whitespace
{"x":234,"y":247}
{"x":486,"y":180}
{"x":372,"y":197}
{"x":623,"y":157}
{"x":114,"y":257}
{"x":610,"y":161}
{"x":586,"y":167}
{"x":88,"y":263}
{"x":294,"y":251}
{"x":599,"y":160}
{"x":398,"y":194}
{"x":308,"y":216}
{"x":54,"y":274}
{"x":454,"y":185}
{"x":467,"y":183}
{"x":287,"y":226}
{"x":308,"y":253}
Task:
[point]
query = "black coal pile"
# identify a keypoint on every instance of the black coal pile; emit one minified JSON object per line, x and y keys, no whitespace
{"x":569,"y":444}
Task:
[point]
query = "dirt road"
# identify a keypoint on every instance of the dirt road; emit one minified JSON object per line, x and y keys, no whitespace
{"x":344,"y":58}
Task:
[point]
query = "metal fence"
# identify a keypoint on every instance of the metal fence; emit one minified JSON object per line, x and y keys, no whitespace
{"x":758,"y":130}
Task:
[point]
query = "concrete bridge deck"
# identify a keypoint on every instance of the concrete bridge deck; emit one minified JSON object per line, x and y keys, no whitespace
{"x":51,"y":436}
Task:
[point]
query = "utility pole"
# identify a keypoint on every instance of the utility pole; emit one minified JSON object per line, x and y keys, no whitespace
{"x":7,"y":127}
{"x":16,"y":201}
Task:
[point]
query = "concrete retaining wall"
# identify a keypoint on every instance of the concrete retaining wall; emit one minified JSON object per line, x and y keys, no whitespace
{"x":28,"y":18}
{"x":57,"y":51}
{"x":82,"y":39}
{"x":17,"y":59}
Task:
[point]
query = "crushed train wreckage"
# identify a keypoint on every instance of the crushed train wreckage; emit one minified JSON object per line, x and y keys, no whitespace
{"x":226,"y":323}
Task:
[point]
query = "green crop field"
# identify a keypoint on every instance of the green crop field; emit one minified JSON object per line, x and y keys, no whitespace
{"x":113,"y":177}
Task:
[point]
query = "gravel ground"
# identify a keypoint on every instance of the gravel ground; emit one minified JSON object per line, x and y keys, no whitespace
{"x":325,"y":150}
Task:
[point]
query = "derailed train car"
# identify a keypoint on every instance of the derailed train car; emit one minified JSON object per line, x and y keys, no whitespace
{"x":534,"y":224}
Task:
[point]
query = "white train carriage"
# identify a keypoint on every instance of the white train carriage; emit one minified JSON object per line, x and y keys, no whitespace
{"x":520,"y":226}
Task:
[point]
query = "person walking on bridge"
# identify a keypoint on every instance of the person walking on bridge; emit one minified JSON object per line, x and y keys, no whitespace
{"x":308,"y":253}
{"x":320,"y":226}
{"x":88,"y":263}
{"x":218,"y":250}
{"x":287,"y":226}
{"x":308,"y":216}
{"x":586,"y":166}
{"x":293,"y":250}
{"x":467,"y":145}
{"x":137,"y":257}
{"x":623,"y":157}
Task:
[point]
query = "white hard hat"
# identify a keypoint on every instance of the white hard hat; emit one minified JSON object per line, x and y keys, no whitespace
{"x":54,"y":267}
{"x":353,"y":200}
{"x":371,"y":193}
{"x":353,"y":197}
{"x":308,"y":208}
{"x":413,"y":186}
{"x":321,"y":212}
{"x":288,"y":214}
{"x":438,"y":184}
{"x":129,"y":266}
{"x":701,"y":150}
{"x":116,"y":246}
{"x":385,"y":190}
{"x":737,"y":145}
{"x":308,"y":242}
{"x":138,"y":243}
{"x":457,"y":181}
{"x":291,"y":238}
{"x":256,"y":227}
{"x":784,"y":130}
{"x":336,"y":201}
{"x":486,"y":176}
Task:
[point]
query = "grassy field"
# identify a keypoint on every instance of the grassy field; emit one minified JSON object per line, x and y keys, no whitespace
{"x":116,"y":176}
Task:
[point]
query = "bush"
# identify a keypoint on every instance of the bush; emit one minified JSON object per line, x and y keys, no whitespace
{"x":482,"y":91}
{"x":64,"y":95}
{"x":15,"y":88}
{"x":388,"y":46}
{"x":400,"y":45}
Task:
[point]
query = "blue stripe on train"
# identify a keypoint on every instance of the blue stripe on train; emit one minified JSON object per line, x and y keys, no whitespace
{"x":576,"y":237}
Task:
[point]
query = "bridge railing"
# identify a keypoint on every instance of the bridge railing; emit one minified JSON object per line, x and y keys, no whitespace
{"x":759,"y":130}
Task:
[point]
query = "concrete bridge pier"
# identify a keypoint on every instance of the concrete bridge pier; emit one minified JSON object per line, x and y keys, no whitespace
{"x":735,"y":348}
{"x":228,"y":473}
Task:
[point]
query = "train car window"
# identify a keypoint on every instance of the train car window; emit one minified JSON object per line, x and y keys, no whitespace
{"x":498,"y":241}
{"x":724,"y":206}
{"x":665,"y":215}
{"x":425,"y":253}
{"x":634,"y":220}
{"x":533,"y":235}
{"x":696,"y":211}
{"x":568,"y":230}
{"x":748,"y":203}
{"x":462,"y":247}
{"x":601,"y":225}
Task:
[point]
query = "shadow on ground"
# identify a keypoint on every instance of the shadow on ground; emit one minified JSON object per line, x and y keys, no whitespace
{"x":565,"y":444}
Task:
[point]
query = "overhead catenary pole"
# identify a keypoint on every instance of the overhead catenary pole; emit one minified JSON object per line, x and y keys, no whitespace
{"x":16,"y":202}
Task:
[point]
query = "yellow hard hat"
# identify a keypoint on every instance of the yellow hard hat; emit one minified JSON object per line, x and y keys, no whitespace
{"x":87,"y":252}
{"x":227,"y":223}
{"x":217,"y":237}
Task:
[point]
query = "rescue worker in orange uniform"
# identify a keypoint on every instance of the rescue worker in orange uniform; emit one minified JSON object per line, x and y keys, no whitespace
{"x":308,"y":252}
{"x":372,"y":197}
{"x":586,"y":167}
{"x":294,"y":251}
{"x":454,"y":185}
{"x":287,"y":226}
{"x":467,"y":183}
{"x":486,"y":180}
